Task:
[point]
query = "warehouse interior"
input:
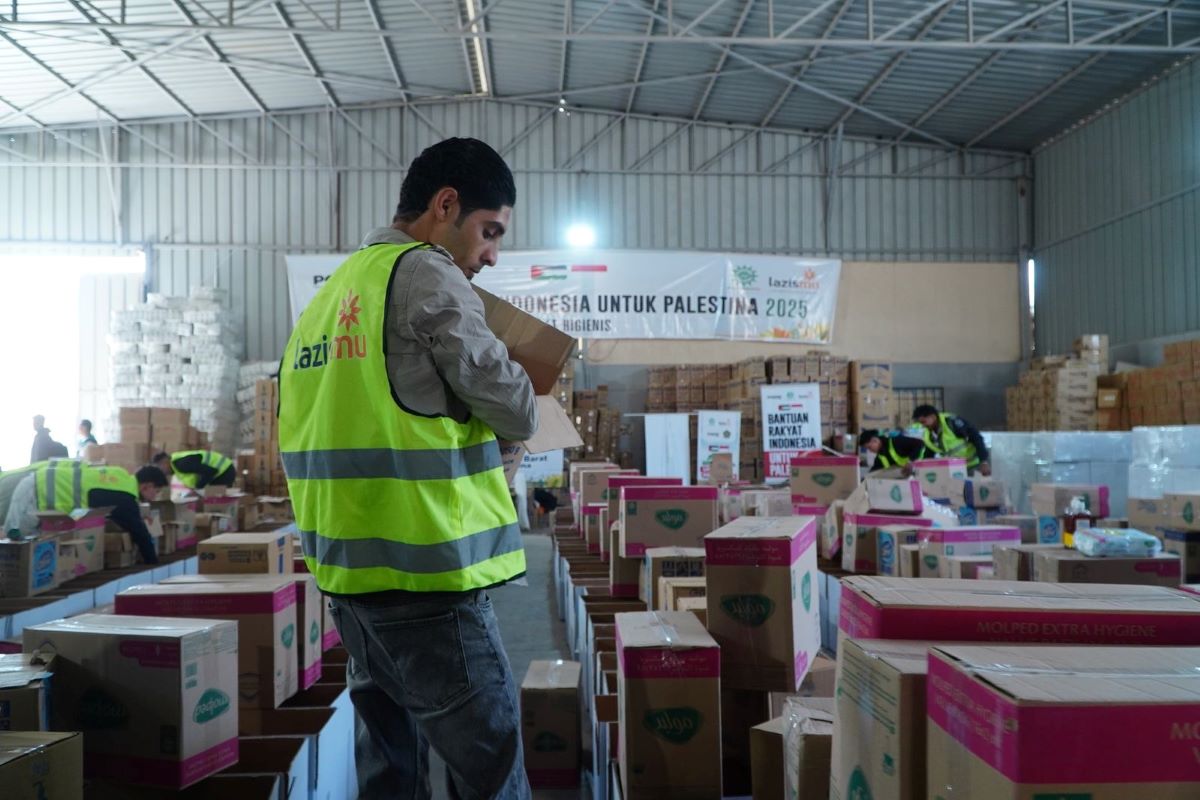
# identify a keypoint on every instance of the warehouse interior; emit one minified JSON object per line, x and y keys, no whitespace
{"x":905,"y":290}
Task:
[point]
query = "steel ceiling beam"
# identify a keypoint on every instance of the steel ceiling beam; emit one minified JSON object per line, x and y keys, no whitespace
{"x":220,"y":56}
{"x":812,"y":89}
{"x":46,"y":129}
{"x":712,"y":82}
{"x":389,"y":53}
{"x":786,"y":92}
{"x":890,"y":67}
{"x":590,"y":143}
{"x":938,"y":5}
{"x":641,"y":63}
{"x":729,"y":148}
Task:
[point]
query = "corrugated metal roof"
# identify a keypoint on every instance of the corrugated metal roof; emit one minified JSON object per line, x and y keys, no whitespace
{"x":897,"y":87}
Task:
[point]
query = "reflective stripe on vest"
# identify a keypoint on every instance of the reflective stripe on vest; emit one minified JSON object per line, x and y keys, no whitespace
{"x":895,"y":459}
{"x":952,"y":445}
{"x":208,"y":458}
{"x":384,"y":498}
{"x":63,"y":485}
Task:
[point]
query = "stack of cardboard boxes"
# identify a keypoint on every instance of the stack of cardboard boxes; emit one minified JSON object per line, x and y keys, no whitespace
{"x":907,"y":401}
{"x":1167,"y":394}
{"x":1057,"y":393}
{"x":872,"y":402}
{"x":598,"y":425}
{"x":142,"y":432}
{"x":266,"y":475}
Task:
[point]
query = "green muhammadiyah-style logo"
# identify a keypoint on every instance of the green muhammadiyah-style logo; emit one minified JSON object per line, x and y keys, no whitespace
{"x":549,"y":742}
{"x":931,"y":477}
{"x":314,"y":633}
{"x":745,"y":275}
{"x":895,"y":493}
{"x":984,"y":492}
{"x":824,"y":478}
{"x":287,"y":635}
{"x":1188,"y":513}
{"x":100,"y":711}
{"x":212,"y":704}
{"x":858,"y":789}
{"x":673,"y":518}
{"x":676,"y":725}
{"x":931,"y":562}
{"x":849,"y":539}
{"x":806,"y":590}
{"x":749,"y":609}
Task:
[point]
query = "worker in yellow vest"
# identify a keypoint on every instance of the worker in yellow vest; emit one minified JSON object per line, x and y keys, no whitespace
{"x":67,"y":484}
{"x":392,"y":391}
{"x":196,"y":469}
{"x":950,"y":436}
{"x":892,"y":450}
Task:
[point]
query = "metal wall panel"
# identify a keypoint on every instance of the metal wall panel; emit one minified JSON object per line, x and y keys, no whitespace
{"x":99,"y":296}
{"x":220,"y":203}
{"x":1116,"y":218}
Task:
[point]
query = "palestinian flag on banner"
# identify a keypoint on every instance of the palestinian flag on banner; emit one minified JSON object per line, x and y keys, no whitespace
{"x":557,"y":272}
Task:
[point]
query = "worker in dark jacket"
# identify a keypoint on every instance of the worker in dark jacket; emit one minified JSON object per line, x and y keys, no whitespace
{"x":196,"y":469}
{"x":951,"y":436}
{"x":43,"y":446}
{"x":892,"y":450}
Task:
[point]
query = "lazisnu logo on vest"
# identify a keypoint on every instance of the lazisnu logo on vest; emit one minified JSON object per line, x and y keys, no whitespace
{"x":344,"y":346}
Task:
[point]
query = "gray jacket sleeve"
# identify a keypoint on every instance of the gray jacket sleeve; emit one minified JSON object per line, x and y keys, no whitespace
{"x":446,"y":315}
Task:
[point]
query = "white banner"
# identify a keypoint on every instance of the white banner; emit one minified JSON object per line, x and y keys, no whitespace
{"x":648,"y":294}
{"x":667,"y":453}
{"x":717,"y":432}
{"x":543,"y":469}
{"x":791,"y":424}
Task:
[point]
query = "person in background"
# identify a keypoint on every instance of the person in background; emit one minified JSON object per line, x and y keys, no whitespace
{"x":85,"y":436}
{"x":892,"y":450}
{"x":392,"y":393}
{"x":65,"y":485}
{"x":196,"y":469}
{"x":44,"y":448}
{"x":950,"y":436}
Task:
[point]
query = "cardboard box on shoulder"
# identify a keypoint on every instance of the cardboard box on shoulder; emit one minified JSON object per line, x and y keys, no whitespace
{"x":149,"y":714}
{"x":668,"y":677}
{"x":266,"y":630}
{"x":1136,"y":724}
{"x":879,"y":724}
{"x":550,"y":724}
{"x":246,"y":553}
{"x":1007,"y":611}
{"x":763,"y":601}
{"x":37,"y":765}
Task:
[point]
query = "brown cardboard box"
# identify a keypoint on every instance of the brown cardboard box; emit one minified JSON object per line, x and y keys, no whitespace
{"x":309,"y":614}
{"x":41,"y":766}
{"x":860,"y":538}
{"x":118,"y":550}
{"x":763,"y":602}
{"x":24,"y":689}
{"x":246,"y":553}
{"x":937,"y":544}
{"x":1071,"y":566}
{"x":1181,"y":512}
{"x":550,"y":725}
{"x":266,"y":633}
{"x":868,"y":376}
{"x":1148,"y":514}
{"x":1026,"y":523}
{"x":696,"y":605}
{"x":879,"y":725}
{"x":807,"y":747}
{"x":766,"y":760}
{"x":741,"y":710}
{"x":1132,"y":704}
{"x":968,"y":567}
{"x":890,"y":541}
{"x":668,"y":562}
{"x":1108,"y":398}
{"x":28,"y":567}
{"x":672,"y":590}
{"x":1186,"y":545}
{"x":1052,"y":499}
{"x":940,"y":477}
{"x":616,"y":480}
{"x":823,"y":479}
{"x":888,"y":496}
{"x":1029,"y":613}
{"x":624,"y":574}
{"x":1015,"y":562}
{"x":170,"y":417}
{"x":156,"y":699}
{"x":910,"y":560}
{"x":668,"y":679}
{"x":127,"y":415}
{"x":664,"y":516}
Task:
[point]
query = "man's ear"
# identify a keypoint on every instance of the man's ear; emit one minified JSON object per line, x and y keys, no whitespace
{"x":444,"y":202}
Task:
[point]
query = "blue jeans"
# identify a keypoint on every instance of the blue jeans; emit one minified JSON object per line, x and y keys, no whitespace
{"x":432,"y":672}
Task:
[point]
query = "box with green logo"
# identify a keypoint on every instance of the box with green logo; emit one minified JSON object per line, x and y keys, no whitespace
{"x":550,"y":725}
{"x":978,"y":493}
{"x":309,"y":616}
{"x":265,"y":611}
{"x":669,"y":708}
{"x":879,"y":721}
{"x":860,"y":540}
{"x":39,"y":766}
{"x":939,"y":477}
{"x":1182,"y":512}
{"x":155,"y":698}
{"x":968,"y":540}
{"x":823,"y":479}
{"x":763,"y":604}
{"x":666,"y":516}
{"x":893,"y":496}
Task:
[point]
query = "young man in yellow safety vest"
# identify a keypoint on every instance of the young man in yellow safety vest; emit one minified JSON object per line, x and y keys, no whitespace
{"x":950,"y":436}
{"x":392,"y":391}
{"x":891,"y":451}
{"x":196,"y":469}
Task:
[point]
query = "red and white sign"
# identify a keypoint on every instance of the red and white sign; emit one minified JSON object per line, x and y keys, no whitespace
{"x":791,"y":424}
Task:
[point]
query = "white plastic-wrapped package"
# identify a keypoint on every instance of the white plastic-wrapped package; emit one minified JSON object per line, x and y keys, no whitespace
{"x":1116,"y":542}
{"x":1180,"y":446}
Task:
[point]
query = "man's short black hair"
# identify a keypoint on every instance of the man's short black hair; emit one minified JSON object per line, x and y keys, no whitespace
{"x":159,"y":457}
{"x":470,"y":167}
{"x":866,"y":436}
{"x":86,"y":423}
{"x":153,"y":475}
{"x":924,"y":411}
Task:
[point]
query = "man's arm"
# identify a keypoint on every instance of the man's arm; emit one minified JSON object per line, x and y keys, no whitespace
{"x":127,"y":515}
{"x":968,"y":431}
{"x":22,"y":508}
{"x":446,"y":315}
{"x":911,"y":448}
{"x":194,"y":465}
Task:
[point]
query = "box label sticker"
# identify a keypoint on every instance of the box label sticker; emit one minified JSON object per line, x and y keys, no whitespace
{"x":673,"y":518}
{"x":288,"y":635}
{"x":676,"y":725}
{"x":806,"y":591}
{"x":824,"y":478}
{"x":751,"y":610}
{"x":212,"y":704}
